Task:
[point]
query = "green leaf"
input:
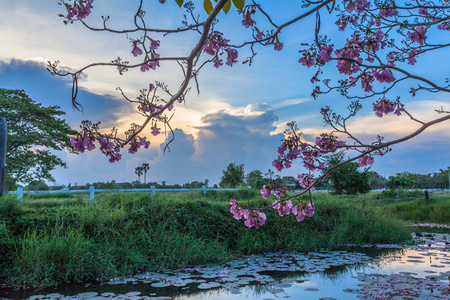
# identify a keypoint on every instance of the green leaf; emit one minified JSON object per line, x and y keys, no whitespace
{"x":208,"y":6}
{"x":227,"y":6}
{"x":239,"y":4}
{"x":179,"y":2}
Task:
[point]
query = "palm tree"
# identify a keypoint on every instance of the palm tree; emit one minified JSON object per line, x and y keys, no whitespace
{"x":145,"y":167}
{"x":139,"y":171}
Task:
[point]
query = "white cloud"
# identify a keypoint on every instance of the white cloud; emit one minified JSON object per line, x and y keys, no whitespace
{"x":290,"y":102}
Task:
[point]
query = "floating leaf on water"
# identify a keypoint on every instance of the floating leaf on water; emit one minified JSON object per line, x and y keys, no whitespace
{"x":160,"y":284}
{"x":87,"y":295}
{"x":108,"y":294}
{"x":275,"y":291}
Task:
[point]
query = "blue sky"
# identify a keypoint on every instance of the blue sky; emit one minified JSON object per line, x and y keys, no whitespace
{"x":238,"y":116}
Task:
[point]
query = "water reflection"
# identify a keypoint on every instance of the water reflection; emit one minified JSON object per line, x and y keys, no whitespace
{"x":316,"y":275}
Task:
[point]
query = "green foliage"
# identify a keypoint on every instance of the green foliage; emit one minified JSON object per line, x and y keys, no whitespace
{"x":398,"y":181}
{"x":432,"y":180}
{"x":347,"y":179}
{"x":47,"y":241}
{"x":233,"y":176}
{"x":208,"y":6}
{"x":31,"y":125}
{"x":434,"y":210}
{"x":255,"y":179}
{"x":37,"y":185}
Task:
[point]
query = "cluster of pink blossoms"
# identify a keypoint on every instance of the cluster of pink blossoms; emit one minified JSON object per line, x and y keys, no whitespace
{"x":135,"y":144}
{"x":283,"y":207}
{"x":217,"y":45}
{"x":247,"y":13}
{"x":366,"y":161}
{"x":306,"y":180}
{"x":384,"y":106}
{"x":248,"y":22}
{"x":328,"y":142}
{"x":80,"y":9}
{"x":301,"y":211}
{"x":252,"y":218}
{"x":257,"y":218}
{"x":418,"y":35}
{"x":357,"y":6}
{"x":149,"y":64}
{"x":151,"y":108}
{"x":84,"y":142}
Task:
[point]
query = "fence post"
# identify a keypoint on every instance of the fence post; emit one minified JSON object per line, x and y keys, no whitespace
{"x":91,"y":193}
{"x":153,"y":189}
{"x":19,"y":193}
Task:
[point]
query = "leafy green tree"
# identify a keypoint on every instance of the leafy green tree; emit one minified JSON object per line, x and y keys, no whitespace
{"x":37,"y":185}
{"x":376,"y":181}
{"x":347,"y":179}
{"x":255,"y":179}
{"x":398,"y":181}
{"x":33,"y":130}
{"x":233,"y":176}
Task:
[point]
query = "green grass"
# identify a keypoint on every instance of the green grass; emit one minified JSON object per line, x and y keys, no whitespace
{"x":434,"y":210}
{"x":52,"y":240}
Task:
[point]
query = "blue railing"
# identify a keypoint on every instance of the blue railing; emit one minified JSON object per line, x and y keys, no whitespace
{"x":92,"y":191}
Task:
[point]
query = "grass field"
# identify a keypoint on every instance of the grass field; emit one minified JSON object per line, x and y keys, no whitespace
{"x":49,"y":239}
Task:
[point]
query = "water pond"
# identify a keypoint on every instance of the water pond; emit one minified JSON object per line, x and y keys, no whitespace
{"x":372,"y":272}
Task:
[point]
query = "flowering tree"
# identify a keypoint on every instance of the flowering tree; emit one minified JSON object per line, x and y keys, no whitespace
{"x":383,"y":41}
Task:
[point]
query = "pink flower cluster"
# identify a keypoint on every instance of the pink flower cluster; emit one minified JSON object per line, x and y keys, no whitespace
{"x":217,"y":45}
{"x":155,"y":130}
{"x":315,"y":56}
{"x":247,"y":13}
{"x":348,"y":59}
{"x":412,"y":56}
{"x":418,"y":35}
{"x":84,"y":142}
{"x":283,"y":207}
{"x":384,"y":106}
{"x":306,"y":180}
{"x":81,"y":143}
{"x":151,"y":108}
{"x":252,"y":218}
{"x":284,"y":159}
{"x":80,"y":9}
{"x":301,"y":211}
{"x":388,"y":12}
{"x":344,"y":20}
{"x":149,"y":63}
{"x":366,"y":160}
{"x":384,"y":76}
{"x":328,"y":142}
{"x":135,"y":144}
{"x":266,"y":192}
{"x":357,"y":6}
{"x":444,"y":26}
